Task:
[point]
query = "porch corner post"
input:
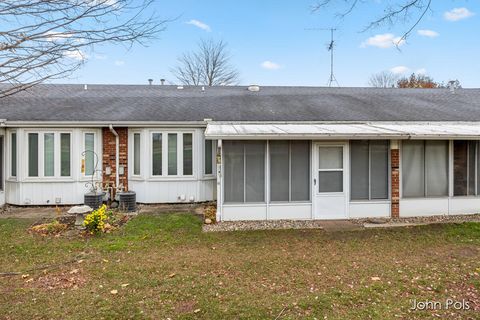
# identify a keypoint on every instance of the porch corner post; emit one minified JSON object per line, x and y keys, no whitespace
{"x":395,"y":179}
{"x":219,"y":162}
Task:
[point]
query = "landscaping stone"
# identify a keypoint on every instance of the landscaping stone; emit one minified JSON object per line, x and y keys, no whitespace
{"x":262,"y":225}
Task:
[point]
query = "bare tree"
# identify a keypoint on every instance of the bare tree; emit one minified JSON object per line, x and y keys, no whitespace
{"x":43,"y":40}
{"x":409,"y":12}
{"x":209,"y":65}
{"x":384,"y":79}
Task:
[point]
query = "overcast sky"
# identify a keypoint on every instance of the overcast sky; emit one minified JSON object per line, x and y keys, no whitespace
{"x":270,"y":45}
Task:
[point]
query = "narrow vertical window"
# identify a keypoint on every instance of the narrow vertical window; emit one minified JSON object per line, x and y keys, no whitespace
{"x":49,"y":154}
{"x":172,"y":154}
{"x":187,"y":154}
{"x":33,"y":154}
{"x":136,"y":153}
{"x":208,"y":157}
{"x":13,"y":155}
{"x":65,"y":154}
{"x":89,"y":154}
{"x":157,"y":154}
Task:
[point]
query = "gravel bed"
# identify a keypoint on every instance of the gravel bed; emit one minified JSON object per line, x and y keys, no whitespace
{"x":262,"y":225}
{"x":429,"y":220}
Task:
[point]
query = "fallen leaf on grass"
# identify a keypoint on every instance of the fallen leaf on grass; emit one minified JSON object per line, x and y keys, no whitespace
{"x":375,"y":278}
{"x":172,"y":275}
{"x":196,"y":311}
{"x":114,"y":291}
{"x":125,"y":285}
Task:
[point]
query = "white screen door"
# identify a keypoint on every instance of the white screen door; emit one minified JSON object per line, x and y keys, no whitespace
{"x":330,"y":181}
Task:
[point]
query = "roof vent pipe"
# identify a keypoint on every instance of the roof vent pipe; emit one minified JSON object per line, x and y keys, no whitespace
{"x":253,"y":88}
{"x":85,"y":87}
{"x":150,"y":81}
{"x":453,"y":85}
{"x":162,"y":81}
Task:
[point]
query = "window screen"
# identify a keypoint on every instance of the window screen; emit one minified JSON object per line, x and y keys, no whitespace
{"x":279,"y":170}
{"x":330,"y":173}
{"x":234,"y":171}
{"x":208,"y":157}
{"x":157,"y":154}
{"x":65,"y":154}
{"x":254,"y":171}
{"x":33,"y":154}
{"x":425,"y":168}
{"x":187,"y":154}
{"x":172,"y":154}
{"x":466,"y":168}
{"x":49,"y":154}
{"x":89,"y":154}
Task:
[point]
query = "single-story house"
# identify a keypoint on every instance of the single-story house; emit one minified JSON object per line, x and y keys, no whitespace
{"x":260,"y":152}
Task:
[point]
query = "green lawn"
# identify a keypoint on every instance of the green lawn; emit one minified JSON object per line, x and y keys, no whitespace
{"x":173,"y":270}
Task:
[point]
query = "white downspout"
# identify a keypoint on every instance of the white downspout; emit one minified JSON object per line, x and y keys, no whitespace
{"x":117,"y":151}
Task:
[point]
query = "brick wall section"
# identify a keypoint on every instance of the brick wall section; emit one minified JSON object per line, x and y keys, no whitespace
{"x":109,"y":155}
{"x":395,"y":187}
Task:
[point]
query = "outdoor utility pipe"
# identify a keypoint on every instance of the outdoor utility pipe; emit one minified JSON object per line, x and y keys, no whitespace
{"x":117,"y":151}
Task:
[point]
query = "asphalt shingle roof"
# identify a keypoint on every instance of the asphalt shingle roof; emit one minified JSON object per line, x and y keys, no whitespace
{"x":167,"y":103}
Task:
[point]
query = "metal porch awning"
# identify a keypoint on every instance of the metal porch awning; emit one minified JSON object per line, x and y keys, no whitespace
{"x":431,"y":130}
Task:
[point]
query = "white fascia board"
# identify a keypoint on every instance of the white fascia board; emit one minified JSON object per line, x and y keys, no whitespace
{"x":90,"y":124}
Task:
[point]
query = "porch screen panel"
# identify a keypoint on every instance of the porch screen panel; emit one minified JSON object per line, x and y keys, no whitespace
{"x":65,"y":154}
{"x":233,"y":171}
{"x":300,"y":171}
{"x":13,"y":159}
{"x":136,"y":153}
{"x":33,"y":154}
{"x":413,"y":174}
{"x":279,"y":170}
{"x":49,"y":154}
{"x":89,"y":154}
{"x":379,"y":169}
{"x":436,"y":167}
{"x":466,"y":168}
{"x":254,"y":171}
{"x":187,"y":154}
{"x":157,"y":154}
{"x":172,"y":154}
{"x":359,"y":170}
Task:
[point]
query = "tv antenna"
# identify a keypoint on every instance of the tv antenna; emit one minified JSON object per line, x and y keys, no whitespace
{"x":330,"y":47}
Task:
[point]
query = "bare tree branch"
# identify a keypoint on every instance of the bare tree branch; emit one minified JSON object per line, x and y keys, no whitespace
{"x":48,"y":40}
{"x":209,"y":66}
{"x":410,"y":12}
{"x":384,"y":79}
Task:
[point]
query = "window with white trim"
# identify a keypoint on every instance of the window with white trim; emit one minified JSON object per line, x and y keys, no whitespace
{"x":136,"y":154}
{"x":209,"y":157}
{"x":49,"y":154}
{"x":89,"y":150}
{"x":177,"y":147}
{"x":13,"y":155}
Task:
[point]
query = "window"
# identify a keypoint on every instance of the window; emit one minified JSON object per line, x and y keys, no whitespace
{"x":187,"y":154}
{"x":330,"y":169}
{"x":89,"y":154}
{"x":425,"y":168}
{"x":52,"y":150}
{"x":178,"y":148}
{"x":172,"y":154}
{"x":369,"y":169}
{"x":208,"y":157}
{"x":289,"y":170}
{"x":157,"y":154}
{"x":136,"y":154}
{"x":13,"y":155}
{"x":65,"y":158}
{"x":466,"y":168}
{"x":48,"y":154}
{"x":33,"y":154}
{"x":244,"y":171}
